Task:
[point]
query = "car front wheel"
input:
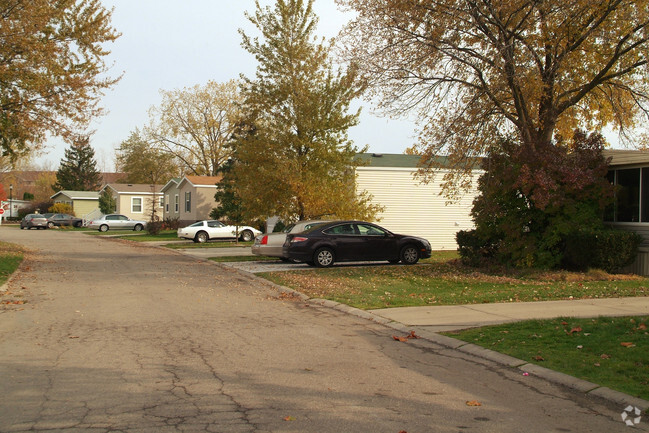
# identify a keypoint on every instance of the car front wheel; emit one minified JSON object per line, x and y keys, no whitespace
{"x":409,"y":255}
{"x":77,"y":224}
{"x":247,"y":236}
{"x":201,"y":237}
{"x":103,"y":228}
{"x":137,"y":228}
{"x":324,"y":258}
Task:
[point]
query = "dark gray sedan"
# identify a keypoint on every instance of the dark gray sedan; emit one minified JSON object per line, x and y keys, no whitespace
{"x":344,"y":241}
{"x":63,"y":219}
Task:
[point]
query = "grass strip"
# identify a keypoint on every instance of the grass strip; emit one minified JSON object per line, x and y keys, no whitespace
{"x":609,"y":351}
{"x":450,"y":283}
{"x":212,"y":244}
{"x":11,"y":256}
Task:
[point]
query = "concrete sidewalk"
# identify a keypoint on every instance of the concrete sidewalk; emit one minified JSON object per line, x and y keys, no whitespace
{"x":454,"y":317}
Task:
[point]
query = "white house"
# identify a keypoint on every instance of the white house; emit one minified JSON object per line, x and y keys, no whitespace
{"x":412,"y":207}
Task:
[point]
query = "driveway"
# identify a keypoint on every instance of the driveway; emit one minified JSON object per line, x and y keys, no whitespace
{"x":121,"y":337}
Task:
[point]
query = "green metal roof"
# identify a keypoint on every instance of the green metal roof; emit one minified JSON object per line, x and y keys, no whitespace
{"x":396,"y":160}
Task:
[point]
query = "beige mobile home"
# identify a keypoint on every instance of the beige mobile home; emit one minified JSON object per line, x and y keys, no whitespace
{"x":412,"y":207}
{"x":83,"y":202}
{"x":135,"y":200}
{"x":196,"y":194}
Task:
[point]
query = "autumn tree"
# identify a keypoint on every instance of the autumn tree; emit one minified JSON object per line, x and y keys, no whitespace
{"x":78,"y":170}
{"x":478,"y":71}
{"x":144,"y":163}
{"x":294,"y":159}
{"x":195,"y":124}
{"x":52,"y":69}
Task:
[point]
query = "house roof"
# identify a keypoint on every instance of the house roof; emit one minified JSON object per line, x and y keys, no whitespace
{"x":174,"y":181}
{"x":627,"y":157}
{"x":133,"y":188}
{"x":79,"y":195}
{"x":396,"y":160}
{"x":202,"y":181}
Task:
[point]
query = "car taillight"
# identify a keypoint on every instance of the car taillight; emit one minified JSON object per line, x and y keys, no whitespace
{"x":264,"y":240}
{"x":298,"y":239}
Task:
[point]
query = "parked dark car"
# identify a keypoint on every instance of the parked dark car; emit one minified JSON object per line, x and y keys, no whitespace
{"x":33,"y":220}
{"x":341,"y":241}
{"x":62,"y":219}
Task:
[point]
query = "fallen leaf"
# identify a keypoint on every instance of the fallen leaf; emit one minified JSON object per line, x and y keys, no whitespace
{"x":605,"y":356}
{"x":597,"y":364}
{"x":473,"y":403}
{"x":627,"y":344}
{"x":539,"y":358}
{"x":642,"y":326}
{"x":289,"y":418}
{"x":407,"y":337}
{"x":564,"y":323}
{"x":73,"y":336}
{"x":573,"y":330}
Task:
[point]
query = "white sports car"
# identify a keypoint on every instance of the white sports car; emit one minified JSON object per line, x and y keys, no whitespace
{"x":206,"y":230}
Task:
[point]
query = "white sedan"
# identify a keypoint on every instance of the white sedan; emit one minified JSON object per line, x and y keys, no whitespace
{"x":206,"y":230}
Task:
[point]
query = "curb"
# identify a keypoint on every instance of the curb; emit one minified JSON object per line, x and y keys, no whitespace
{"x":580,"y":385}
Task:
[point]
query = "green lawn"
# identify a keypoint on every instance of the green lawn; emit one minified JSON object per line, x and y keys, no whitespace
{"x":11,"y":256}
{"x":608,"y":351}
{"x":441,"y":282}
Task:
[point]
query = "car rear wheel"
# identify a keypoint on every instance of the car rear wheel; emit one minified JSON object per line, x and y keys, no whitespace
{"x":324,"y":257}
{"x":50,"y":224}
{"x":201,"y":237}
{"x":77,"y":224}
{"x":137,"y":228}
{"x":247,"y":236}
{"x":409,"y":255}
{"x":103,"y":228}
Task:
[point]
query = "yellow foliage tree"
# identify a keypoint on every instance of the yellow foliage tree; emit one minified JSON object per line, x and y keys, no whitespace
{"x":477,"y":71}
{"x":195,"y":124}
{"x":293,"y":157}
{"x":52,"y":70}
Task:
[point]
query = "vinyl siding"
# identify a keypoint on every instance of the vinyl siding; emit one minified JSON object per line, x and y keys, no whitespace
{"x":414,"y":208}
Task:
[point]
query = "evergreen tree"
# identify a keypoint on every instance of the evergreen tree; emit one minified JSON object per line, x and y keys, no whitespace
{"x":78,"y":170}
{"x":107,"y":203}
{"x":294,"y":159}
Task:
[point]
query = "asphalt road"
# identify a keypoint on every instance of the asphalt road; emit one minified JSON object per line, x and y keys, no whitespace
{"x":121,"y":337}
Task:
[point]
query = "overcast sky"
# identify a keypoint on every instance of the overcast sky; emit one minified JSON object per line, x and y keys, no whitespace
{"x":172,"y":45}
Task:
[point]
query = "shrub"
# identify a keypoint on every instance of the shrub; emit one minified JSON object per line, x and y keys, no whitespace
{"x":474,"y":249}
{"x":40,"y":207}
{"x":533,"y":197}
{"x":608,"y":249}
{"x":171,"y":223}
{"x":61,"y":208}
{"x":154,"y":227}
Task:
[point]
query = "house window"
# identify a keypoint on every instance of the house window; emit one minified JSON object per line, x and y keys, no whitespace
{"x":188,"y":201}
{"x":161,"y":201}
{"x":166,"y":202}
{"x":136,"y":204}
{"x":632,"y":186}
{"x":177,"y":204}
